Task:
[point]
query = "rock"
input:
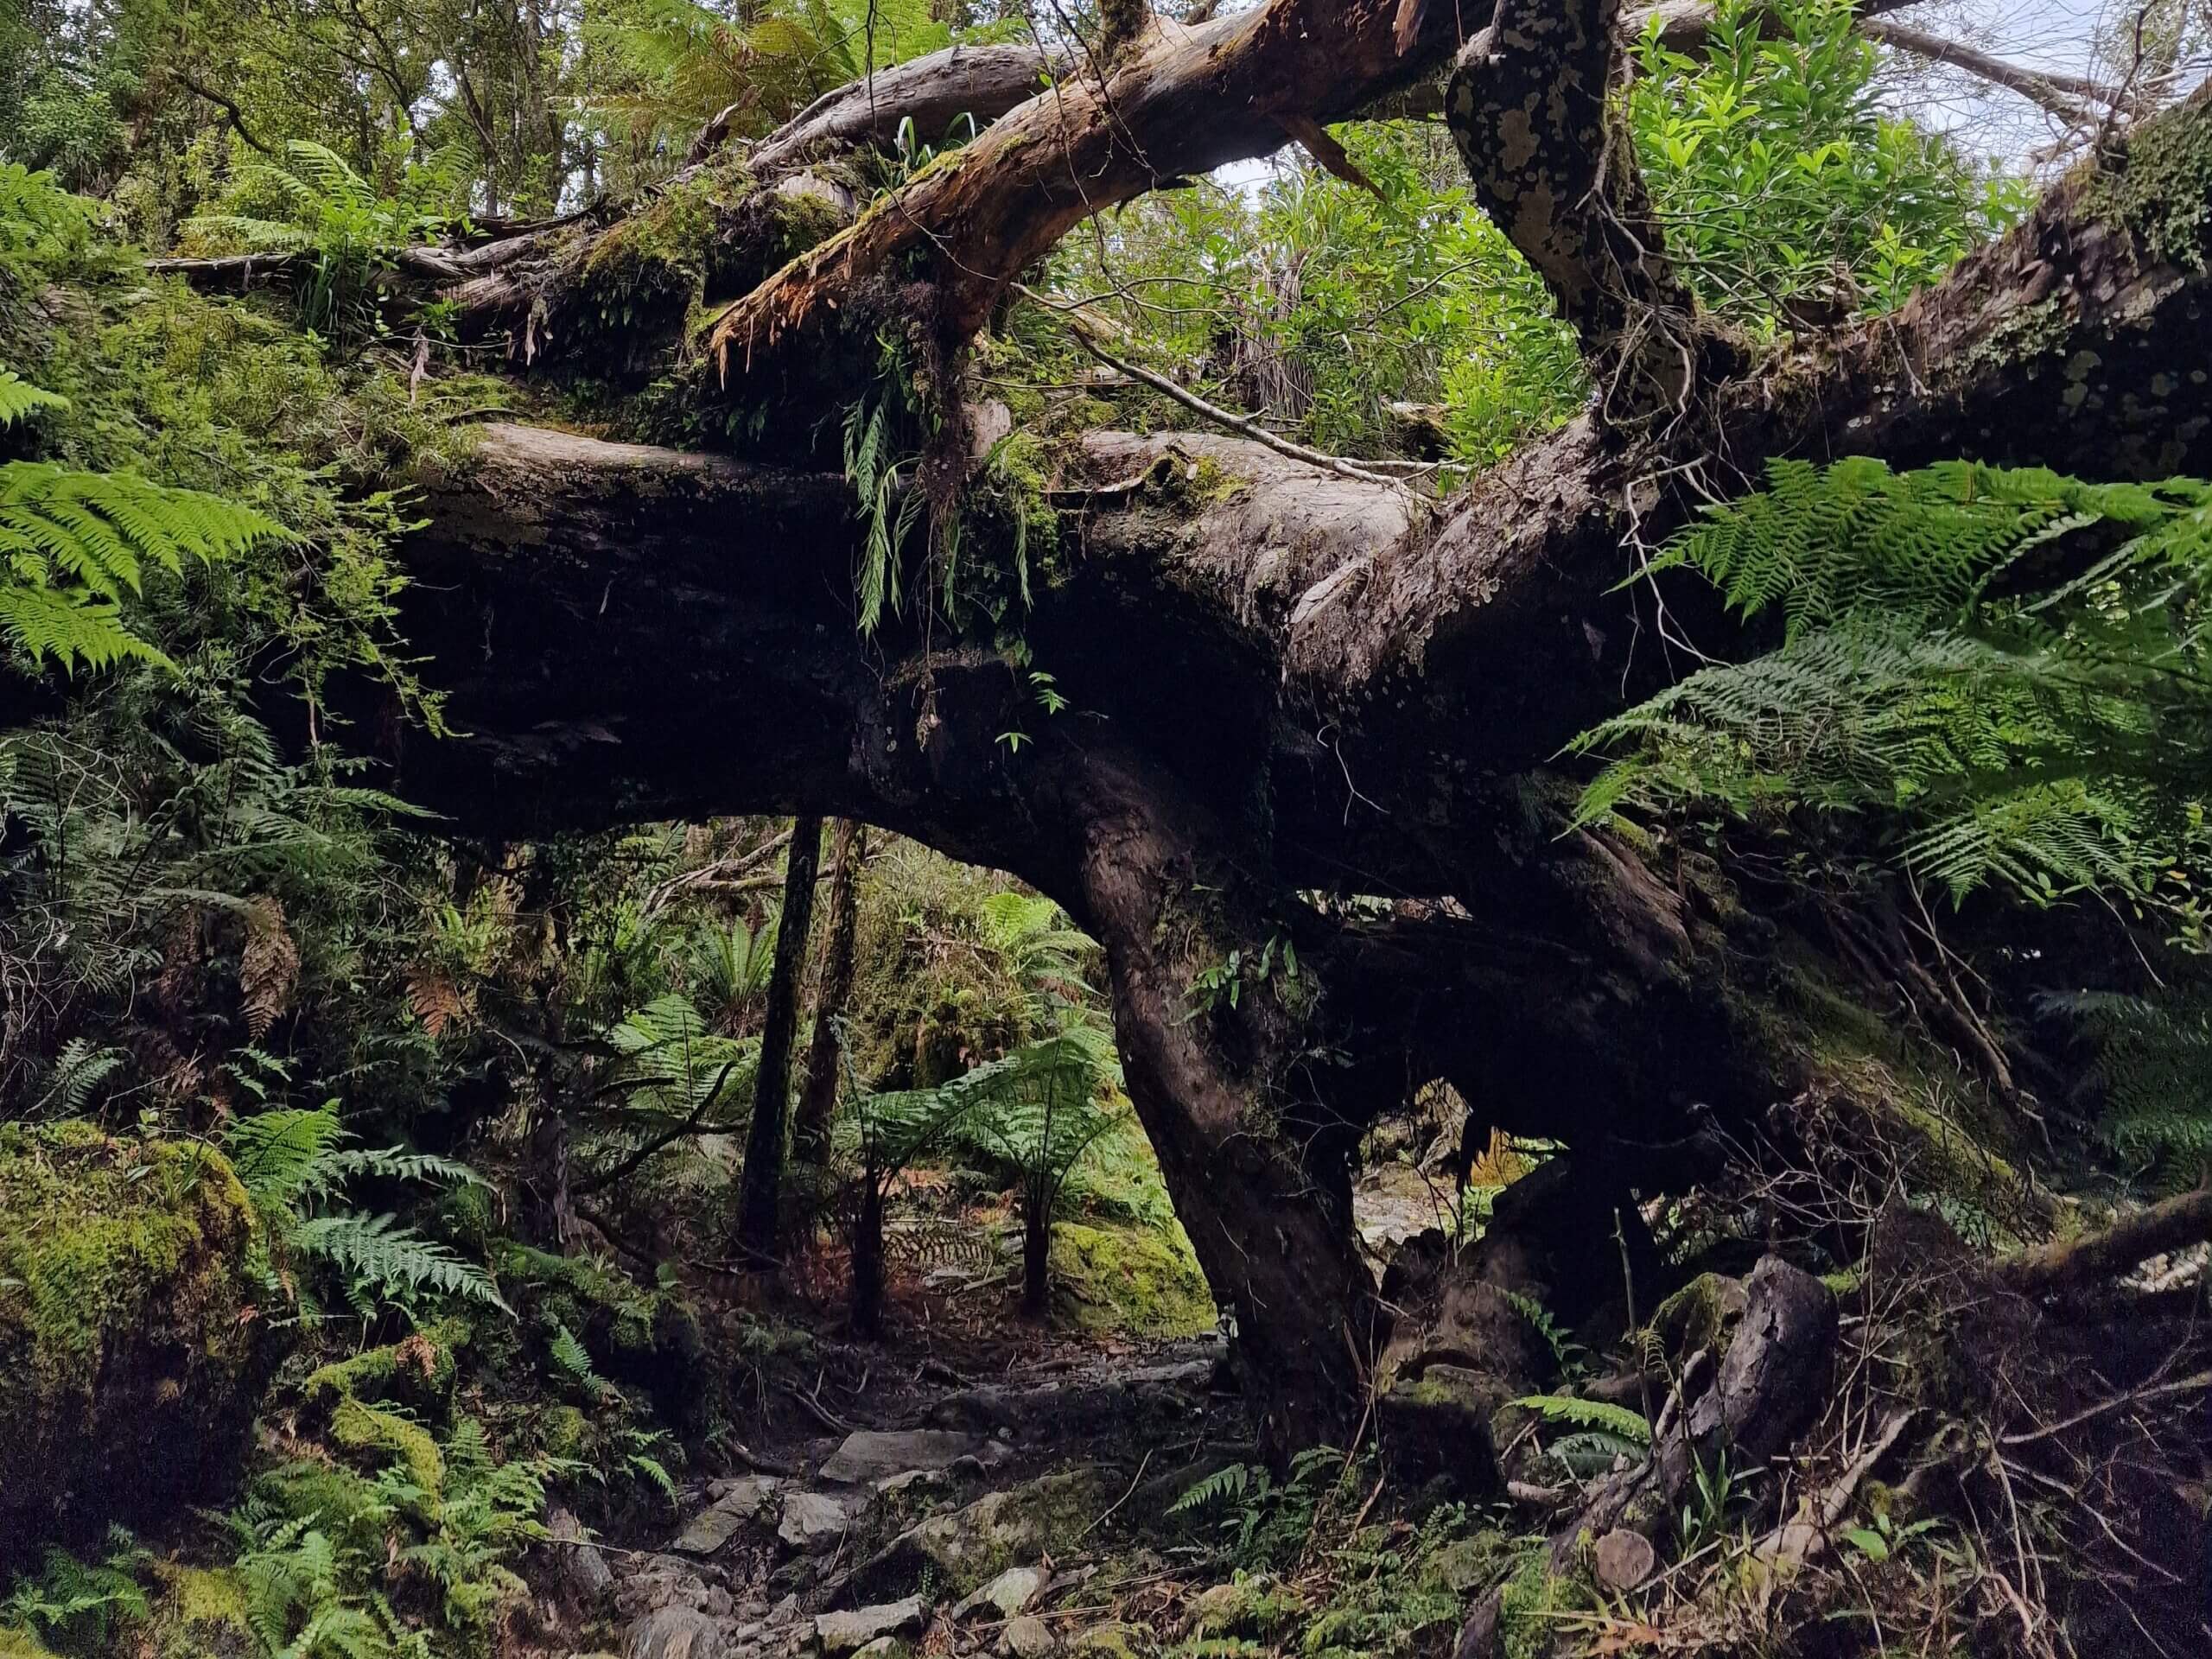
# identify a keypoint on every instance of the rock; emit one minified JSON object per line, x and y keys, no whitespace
{"x":583,"y":1568}
{"x":661,"y":1581}
{"x":971,"y":1546}
{"x":739,"y":1502}
{"x":1010,"y":1593}
{"x":1624,"y":1559}
{"x":1028,"y":1638}
{"x":1438,"y":1424}
{"x":869,"y":1455}
{"x":813,"y":1521}
{"x":885,"y":1646}
{"x":677,"y":1633}
{"x":1102,"y":1641}
{"x":131,"y":1360}
{"x":845,"y":1632}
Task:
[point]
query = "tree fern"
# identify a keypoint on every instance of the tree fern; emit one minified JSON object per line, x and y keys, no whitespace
{"x":2005,"y":669}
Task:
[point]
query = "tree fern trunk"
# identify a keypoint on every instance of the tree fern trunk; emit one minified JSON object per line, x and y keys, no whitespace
{"x":818,"y":1097}
{"x":1036,"y":1255}
{"x":868,"y":1259}
{"x":761,"y":1186}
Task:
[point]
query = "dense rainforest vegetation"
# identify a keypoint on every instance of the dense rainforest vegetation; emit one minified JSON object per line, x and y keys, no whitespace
{"x":1312,"y":827}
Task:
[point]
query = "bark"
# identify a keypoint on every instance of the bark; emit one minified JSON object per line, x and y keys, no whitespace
{"x":867,"y":1258}
{"x":817,"y":1099}
{"x":766,"y":1141}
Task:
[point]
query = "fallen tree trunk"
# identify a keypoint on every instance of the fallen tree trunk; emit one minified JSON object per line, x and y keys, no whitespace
{"x":1380,"y":691}
{"x":2066,"y":1264}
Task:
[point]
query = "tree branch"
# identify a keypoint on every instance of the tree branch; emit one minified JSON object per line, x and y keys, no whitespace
{"x":2070,"y":97}
{"x":2072,"y":1263}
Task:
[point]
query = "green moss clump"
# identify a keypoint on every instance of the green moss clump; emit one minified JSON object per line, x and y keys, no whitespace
{"x":1699,"y":1315}
{"x":2160,"y":191}
{"x":1533,"y":1598}
{"x":202,"y":1614}
{"x":132,"y":1355}
{"x":364,"y":1428}
{"x":1138,"y":1283}
{"x":419,"y":1369}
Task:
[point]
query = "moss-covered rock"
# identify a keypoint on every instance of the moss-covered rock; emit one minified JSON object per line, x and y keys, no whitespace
{"x":202,"y":1614}
{"x":131,"y":1358}
{"x":1127,"y":1280}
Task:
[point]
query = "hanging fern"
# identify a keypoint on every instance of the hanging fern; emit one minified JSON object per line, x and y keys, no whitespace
{"x":73,"y":545}
{"x":19,"y":399}
{"x":2007,"y":666}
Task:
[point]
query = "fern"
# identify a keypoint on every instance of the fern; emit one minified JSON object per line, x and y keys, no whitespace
{"x":2006,"y":668}
{"x":2154,"y":1073}
{"x":379,"y":1251}
{"x":1590,"y":1414}
{"x":73,"y":545}
{"x":19,"y":399}
{"x":288,"y":1159}
{"x":574,"y":1360}
{"x":1229,"y":1482}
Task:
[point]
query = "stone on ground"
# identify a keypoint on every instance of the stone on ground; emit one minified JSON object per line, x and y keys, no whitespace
{"x":741,"y":1501}
{"x":846,"y":1632}
{"x":1010,"y":1593}
{"x":1028,"y":1638}
{"x":813,"y":1521}
{"x":677,"y":1633}
{"x":870,"y":1455}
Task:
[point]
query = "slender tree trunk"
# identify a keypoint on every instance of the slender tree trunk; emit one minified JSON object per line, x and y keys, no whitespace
{"x":817,"y":1096}
{"x":867,"y":1258}
{"x":1036,"y":1254}
{"x":763,"y":1179}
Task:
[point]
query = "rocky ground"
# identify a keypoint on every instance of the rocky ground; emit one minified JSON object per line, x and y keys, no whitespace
{"x":973,"y":1514}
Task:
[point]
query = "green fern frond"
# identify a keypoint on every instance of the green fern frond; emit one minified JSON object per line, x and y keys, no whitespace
{"x":381,"y":1251}
{"x":1231,"y":1481}
{"x":1591,"y":1414}
{"x":19,"y":399}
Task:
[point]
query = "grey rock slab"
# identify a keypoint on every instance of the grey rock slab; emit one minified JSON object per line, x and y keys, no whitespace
{"x":872,"y":1454}
{"x":677,"y":1633}
{"x":813,"y":1521}
{"x":844,"y":1632}
{"x":1028,"y":1638}
{"x":1011,"y":1591}
{"x":738,"y":1502}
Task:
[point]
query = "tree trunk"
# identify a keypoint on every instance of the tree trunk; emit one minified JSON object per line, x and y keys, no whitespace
{"x":817,"y":1098}
{"x":867,"y":1257}
{"x":765,"y":1141}
{"x":1036,"y":1254}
